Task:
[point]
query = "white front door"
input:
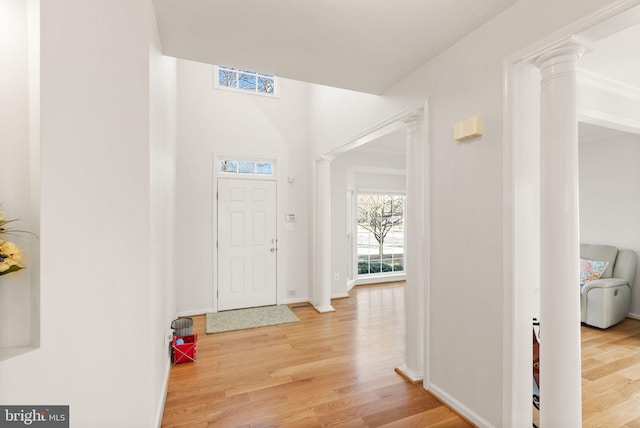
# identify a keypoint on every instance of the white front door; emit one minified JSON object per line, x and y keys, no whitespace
{"x":247,"y":245}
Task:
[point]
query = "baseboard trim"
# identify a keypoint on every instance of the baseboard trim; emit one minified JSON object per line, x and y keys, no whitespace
{"x":409,"y":375}
{"x":194,"y":312}
{"x":323,"y":309}
{"x":294,"y":301}
{"x":163,"y":395}
{"x":633,"y":316}
{"x":379,"y":279}
{"x":463,"y":411}
{"x":340,"y":295}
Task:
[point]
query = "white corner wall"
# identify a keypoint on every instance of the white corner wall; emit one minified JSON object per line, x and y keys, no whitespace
{"x":214,"y":121}
{"x":162,"y":160}
{"x":338,"y":116}
{"x":105,"y":156}
{"x":609,"y":203}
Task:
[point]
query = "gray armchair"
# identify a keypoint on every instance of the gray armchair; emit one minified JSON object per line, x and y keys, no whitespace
{"x":605,"y":301}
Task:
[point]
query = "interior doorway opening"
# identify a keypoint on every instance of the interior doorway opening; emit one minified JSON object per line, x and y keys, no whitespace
{"x":523,"y":176}
{"x":412,"y":121}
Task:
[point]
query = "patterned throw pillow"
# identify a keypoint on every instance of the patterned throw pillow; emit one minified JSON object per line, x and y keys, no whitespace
{"x":591,"y":269}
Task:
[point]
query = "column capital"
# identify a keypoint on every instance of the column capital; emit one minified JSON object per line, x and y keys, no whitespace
{"x":325,"y":159}
{"x":412,"y":121}
{"x":568,"y":51}
{"x":414,"y":117}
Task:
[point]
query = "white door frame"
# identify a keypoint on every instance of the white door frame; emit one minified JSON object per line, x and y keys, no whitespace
{"x":521,"y":209}
{"x":282,"y":249}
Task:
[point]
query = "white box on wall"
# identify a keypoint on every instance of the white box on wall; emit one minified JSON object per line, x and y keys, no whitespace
{"x":469,"y":128}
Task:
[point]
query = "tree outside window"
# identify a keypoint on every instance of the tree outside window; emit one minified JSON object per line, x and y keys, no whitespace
{"x":380,"y":233}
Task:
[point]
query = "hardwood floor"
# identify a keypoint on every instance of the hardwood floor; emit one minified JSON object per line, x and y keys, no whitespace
{"x":329,"y":370}
{"x":611,"y":376}
{"x":337,"y":370}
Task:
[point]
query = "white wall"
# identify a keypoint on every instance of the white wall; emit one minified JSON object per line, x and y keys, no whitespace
{"x":609,"y":203}
{"x":465,"y":310}
{"x":100,"y":343}
{"x":357,"y":170}
{"x":337,"y":115}
{"x":162,"y":138}
{"x":214,"y":121}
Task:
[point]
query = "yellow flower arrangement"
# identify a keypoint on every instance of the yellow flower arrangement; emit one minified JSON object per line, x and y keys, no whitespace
{"x":10,"y":255}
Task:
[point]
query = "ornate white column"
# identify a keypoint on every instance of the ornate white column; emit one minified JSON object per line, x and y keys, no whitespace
{"x":322,"y":295}
{"x":415,"y":250}
{"x":560,"y":363}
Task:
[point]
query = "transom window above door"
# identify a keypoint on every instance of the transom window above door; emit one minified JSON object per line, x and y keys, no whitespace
{"x":244,"y":167}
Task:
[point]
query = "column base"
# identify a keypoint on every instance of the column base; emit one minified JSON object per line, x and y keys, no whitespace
{"x":409,"y":374}
{"x":323,"y":308}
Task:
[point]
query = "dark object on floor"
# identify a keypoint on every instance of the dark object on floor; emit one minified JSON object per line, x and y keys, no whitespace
{"x":182,"y":326}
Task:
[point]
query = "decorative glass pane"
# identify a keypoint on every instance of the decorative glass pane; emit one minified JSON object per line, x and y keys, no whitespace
{"x":228,"y":166}
{"x":247,"y":81}
{"x":247,"y":167}
{"x":227,"y":78}
{"x":266,"y":84}
{"x":264,"y":168}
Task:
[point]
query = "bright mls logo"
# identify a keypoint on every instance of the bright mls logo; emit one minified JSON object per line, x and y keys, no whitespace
{"x":34,"y":416}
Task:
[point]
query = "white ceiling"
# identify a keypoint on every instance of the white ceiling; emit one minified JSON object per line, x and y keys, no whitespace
{"x":362,"y":45}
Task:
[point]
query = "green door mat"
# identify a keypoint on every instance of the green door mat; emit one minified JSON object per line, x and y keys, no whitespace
{"x":241,"y":319}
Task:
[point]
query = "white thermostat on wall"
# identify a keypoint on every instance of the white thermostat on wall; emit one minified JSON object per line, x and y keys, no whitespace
{"x":290,"y":218}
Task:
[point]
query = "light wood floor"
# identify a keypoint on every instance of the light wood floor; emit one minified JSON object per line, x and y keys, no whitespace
{"x":337,"y":370}
{"x":329,"y":370}
{"x":611,"y":376}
